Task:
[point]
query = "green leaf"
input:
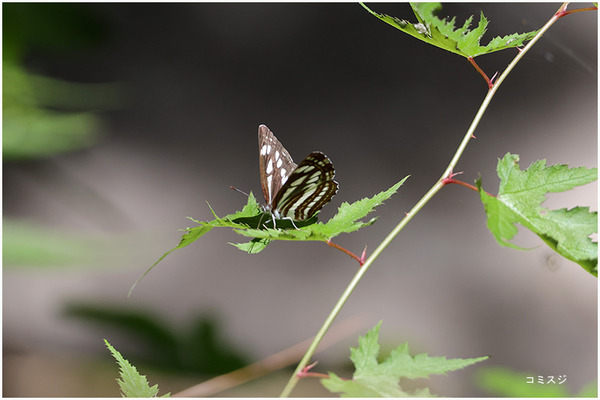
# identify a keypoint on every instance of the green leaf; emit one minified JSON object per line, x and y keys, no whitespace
{"x":348,"y":216}
{"x":200,"y":346}
{"x":26,"y":243}
{"x":240,"y":219}
{"x":346,"y":220}
{"x":443,"y":34}
{"x":132,"y":384}
{"x":45,"y":116}
{"x":381,"y":379}
{"x":519,"y":200}
{"x":348,"y":388}
{"x":250,"y":222}
{"x":254,"y":246}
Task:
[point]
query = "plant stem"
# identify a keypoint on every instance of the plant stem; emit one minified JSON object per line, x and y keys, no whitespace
{"x":273,"y":362}
{"x":465,"y":184}
{"x":487,"y":80}
{"x":567,"y":12}
{"x":360,"y":260}
{"x":417,"y":207}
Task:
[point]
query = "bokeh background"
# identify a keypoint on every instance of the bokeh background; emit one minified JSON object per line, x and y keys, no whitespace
{"x":119,"y":120}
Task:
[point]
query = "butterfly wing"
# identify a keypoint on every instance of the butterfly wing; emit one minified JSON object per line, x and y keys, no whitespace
{"x":276,"y":164}
{"x":307,"y":189}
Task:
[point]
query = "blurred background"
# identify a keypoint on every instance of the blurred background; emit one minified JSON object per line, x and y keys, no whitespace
{"x":119,"y":120}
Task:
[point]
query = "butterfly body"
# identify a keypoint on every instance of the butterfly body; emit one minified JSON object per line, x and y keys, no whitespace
{"x":293,"y":191}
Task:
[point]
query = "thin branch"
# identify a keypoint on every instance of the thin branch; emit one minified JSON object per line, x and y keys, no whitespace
{"x":306,"y":374}
{"x":273,"y":362}
{"x":447,"y":181}
{"x":564,"y":12}
{"x":417,"y":207}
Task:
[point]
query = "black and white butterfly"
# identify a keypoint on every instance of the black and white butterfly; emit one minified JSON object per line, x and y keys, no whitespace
{"x":291,"y":191}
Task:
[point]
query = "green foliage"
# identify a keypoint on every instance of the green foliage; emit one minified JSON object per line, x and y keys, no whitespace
{"x":43,"y":116}
{"x":443,"y":34}
{"x":381,"y":379}
{"x":250,"y":222}
{"x":200,"y":348}
{"x":29,"y":244}
{"x":519,"y":200}
{"x":32,"y":131}
{"x":346,"y":220}
{"x":503,"y":382}
{"x":132,"y":384}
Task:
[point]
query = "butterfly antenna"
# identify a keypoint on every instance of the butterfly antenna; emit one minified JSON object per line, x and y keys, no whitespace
{"x":239,"y":191}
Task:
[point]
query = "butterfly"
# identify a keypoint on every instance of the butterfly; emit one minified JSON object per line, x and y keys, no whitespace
{"x":291,"y":191}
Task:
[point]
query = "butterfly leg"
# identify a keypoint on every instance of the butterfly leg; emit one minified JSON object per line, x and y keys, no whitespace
{"x":266,"y":222}
{"x":292,"y":221}
{"x":288,"y":218}
{"x":274,"y":225}
{"x":260,"y":221}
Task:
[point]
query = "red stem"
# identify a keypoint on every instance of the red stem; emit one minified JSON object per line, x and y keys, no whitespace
{"x":559,"y":14}
{"x":450,"y":180}
{"x":487,"y":80}
{"x":305,"y":374}
{"x":465,"y":184}
{"x":361,"y":260}
{"x":312,"y":375}
{"x":565,"y":12}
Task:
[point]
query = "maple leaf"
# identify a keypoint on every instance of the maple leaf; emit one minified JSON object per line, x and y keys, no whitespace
{"x":381,"y":379}
{"x":442,"y":33}
{"x":520,"y":198}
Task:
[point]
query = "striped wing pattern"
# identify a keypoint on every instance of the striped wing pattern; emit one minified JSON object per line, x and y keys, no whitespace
{"x":308,"y":188}
{"x":290,"y":190}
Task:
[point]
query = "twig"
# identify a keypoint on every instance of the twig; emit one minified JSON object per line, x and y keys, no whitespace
{"x":416,"y":208}
{"x":450,"y":179}
{"x":456,"y":181}
{"x":360,"y":260}
{"x":564,"y":12}
{"x":306,"y":374}
{"x":273,"y":362}
{"x":487,"y":80}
